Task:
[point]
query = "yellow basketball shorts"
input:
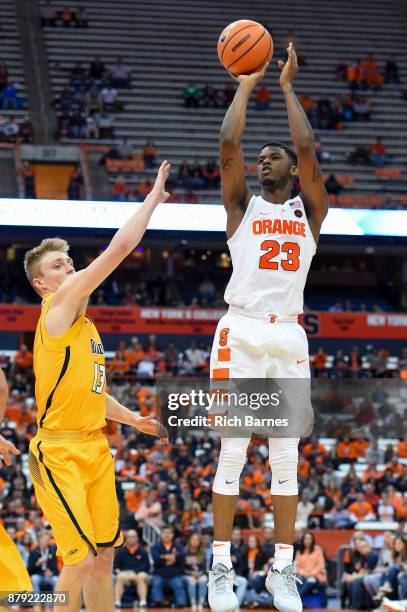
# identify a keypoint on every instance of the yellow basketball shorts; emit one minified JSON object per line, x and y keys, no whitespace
{"x":13,"y":573}
{"x":74,"y":482}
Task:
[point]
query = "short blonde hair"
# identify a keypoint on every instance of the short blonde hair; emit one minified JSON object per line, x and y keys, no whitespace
{"x":32,"y":258}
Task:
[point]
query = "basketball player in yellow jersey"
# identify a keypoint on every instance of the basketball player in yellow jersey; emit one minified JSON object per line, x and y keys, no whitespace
{"x":70,"y":461}
{"x":13,"y":573}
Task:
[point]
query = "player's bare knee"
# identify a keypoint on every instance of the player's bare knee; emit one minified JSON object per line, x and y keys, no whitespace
{"x":104,"y":560}
{"x":84,"y":567}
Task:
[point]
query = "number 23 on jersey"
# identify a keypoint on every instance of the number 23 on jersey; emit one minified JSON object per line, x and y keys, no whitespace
{"x":290,"y":263}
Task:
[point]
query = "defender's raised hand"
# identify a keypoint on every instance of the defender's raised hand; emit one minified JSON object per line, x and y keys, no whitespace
{"x":251,"y":79}
{"x":7,"y":448}
{"x":159,"y":186}
{"x":289,"y":69}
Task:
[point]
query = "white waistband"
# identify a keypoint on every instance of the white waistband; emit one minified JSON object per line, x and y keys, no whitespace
{"x":271,"y":317}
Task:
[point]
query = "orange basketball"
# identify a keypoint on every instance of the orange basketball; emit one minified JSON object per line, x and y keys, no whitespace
{"x":244,"y":47}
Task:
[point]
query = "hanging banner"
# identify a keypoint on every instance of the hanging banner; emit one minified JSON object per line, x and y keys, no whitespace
{"x":203,"y":321}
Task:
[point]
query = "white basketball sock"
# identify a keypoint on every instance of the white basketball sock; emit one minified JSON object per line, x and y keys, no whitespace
{"x":283,"y":556}
{"x":221,"y":553}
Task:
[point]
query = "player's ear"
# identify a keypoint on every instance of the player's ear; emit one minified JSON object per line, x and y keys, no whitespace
{"x":294,"y":171}
{"x":38,"y":283}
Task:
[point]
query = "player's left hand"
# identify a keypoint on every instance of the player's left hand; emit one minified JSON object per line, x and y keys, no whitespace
{"x":159,"y":185}
{"x":151,"y":427}
{"x":289,"y":69}
{"x":7,"y":447}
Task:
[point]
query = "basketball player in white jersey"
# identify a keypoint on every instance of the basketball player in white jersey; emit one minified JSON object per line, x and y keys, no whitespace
{"x":272,"y":239}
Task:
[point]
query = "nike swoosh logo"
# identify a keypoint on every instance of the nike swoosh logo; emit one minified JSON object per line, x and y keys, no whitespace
{"x":216,"y":545}
{"x":283,"y":481}
{"x":300,"y":361}
{"x":230,"y":481}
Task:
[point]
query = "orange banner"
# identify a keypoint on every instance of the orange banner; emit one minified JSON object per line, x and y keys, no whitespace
{"x":202,"y":321}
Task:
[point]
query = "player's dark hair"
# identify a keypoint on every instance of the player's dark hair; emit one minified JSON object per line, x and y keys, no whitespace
{"x":281,"y":145}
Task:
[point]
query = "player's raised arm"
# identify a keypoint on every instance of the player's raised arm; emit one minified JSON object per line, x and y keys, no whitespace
{"x":81,"y":284}
{"x":235,"y":191}
{"x":313,"y":190}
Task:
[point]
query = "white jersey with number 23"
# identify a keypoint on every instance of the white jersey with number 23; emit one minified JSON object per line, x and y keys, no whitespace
{"x":271,"y":252}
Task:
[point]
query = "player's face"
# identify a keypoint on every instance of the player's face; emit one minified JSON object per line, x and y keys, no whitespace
{"x":55,"y":268}
{"x":274,"y":166}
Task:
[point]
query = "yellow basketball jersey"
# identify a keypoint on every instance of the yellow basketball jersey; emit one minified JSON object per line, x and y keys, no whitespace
{"x":69,"y":376}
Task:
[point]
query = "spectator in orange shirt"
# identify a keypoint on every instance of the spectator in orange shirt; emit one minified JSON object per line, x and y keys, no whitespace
{"x":378,"y":153}
{"x":402,"y":448}
{"x":371,"y":74}
{"x":304,"y":467}
{"x":360,"y":445}
{"x":120,"y":189}
{"x":345,"y":450}
{"x":320,"y":358}
{"x":23,"y":359}
{"x":314,"y":451}
{"x":397,"y":468}
{"x":135,"y":497}
{"x":263,"y":97}
{"x":310,"y":565}
{"x":361,"y":510}
{"x":145,"y":187}
{"x":401,"y":510}
{"x":119,"y":364}
{"x":135,"y":352}
{"x":354,"y":75}
{"x":371,"y":472}
{"x":307,"y":103}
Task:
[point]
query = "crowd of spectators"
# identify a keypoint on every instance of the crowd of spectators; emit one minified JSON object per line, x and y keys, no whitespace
{"x":375,"y":154}
{"x":86,"y":106}
{"x":327,"y":114}
{"x":16,"y":130}
{"x":170,"y":489}
{"x":67,"y":17}
{"x":366,"y":74}
{"x":189,"y":178}
{"x":208,"y":96}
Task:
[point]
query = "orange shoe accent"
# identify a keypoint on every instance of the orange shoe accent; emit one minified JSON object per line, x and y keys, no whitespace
{"x":224,"y":354}
{"x":221,"y":373}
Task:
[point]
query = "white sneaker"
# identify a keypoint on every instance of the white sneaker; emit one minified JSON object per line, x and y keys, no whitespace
{"x":394,"y":606}
{"x":221,"y":596}
{"x":283,"y":587}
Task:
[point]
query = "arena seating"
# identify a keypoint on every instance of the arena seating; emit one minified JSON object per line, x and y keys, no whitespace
{"x":168,"y":46}
{"x":10,"y":53}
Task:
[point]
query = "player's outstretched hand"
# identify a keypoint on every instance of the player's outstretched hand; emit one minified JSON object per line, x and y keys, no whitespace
{"x":289,"y":69}
{"x":251,"y":79}
{"x":152,"y":427}
{"x":159,"y":185}
{"x":7,"y":447}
